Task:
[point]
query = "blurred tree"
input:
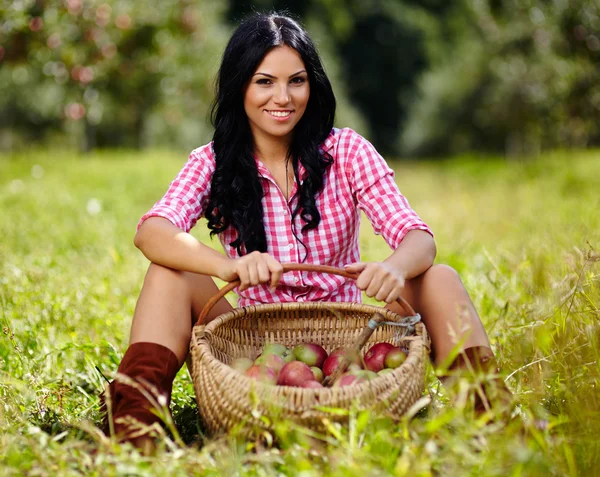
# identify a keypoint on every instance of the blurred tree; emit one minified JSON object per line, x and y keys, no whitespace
{"x":430,"y":77}
{"x":102,"y":69}
{"x":516,"y":76}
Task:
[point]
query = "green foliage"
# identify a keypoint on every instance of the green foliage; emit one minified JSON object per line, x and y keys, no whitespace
{"x":510,"y":76}
{"x":108,"y":73}
{"x":524,"y":237}
{"x":428,"y":77}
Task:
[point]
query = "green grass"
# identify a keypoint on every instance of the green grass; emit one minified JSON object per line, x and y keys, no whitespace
{"x":525,"y":237}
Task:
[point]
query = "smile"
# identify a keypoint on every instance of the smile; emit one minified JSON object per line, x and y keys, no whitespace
{"x":279,"y":114}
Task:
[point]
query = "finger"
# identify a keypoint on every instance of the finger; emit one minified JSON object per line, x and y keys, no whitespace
{"x":276,"y":270}
{"x":244,"y":278}
{"x":356,"y":267}
{"x":263,"y":271}
{"x":374,"y":286}
{"x":395,"y":293}
{"x":253,"y":273}
{"x":365,"y":276}
{"x":384,"y":291}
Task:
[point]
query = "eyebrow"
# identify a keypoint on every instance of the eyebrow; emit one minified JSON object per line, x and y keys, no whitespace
{"x":271,"y":76}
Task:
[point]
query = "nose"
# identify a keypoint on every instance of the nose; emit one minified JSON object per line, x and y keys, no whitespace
{"x":281,"y":95}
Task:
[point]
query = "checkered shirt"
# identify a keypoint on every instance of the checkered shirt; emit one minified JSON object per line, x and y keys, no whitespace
{"x":359,"y":179}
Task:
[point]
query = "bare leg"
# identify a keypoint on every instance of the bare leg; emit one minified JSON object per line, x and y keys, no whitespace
{"x":169,"y":302}
{"x":446,"y":309}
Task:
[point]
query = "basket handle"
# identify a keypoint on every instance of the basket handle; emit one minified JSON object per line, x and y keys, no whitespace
{"x":291,"y":267}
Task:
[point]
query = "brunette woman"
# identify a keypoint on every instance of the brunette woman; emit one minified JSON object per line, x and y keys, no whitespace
{"x":279,"y":184}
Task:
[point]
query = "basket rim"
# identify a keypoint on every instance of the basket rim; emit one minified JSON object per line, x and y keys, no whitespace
{"x":239,"y":312}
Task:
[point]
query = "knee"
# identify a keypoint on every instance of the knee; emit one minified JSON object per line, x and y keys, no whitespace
{"x":160,"y":276}
{"x":441,"y":274}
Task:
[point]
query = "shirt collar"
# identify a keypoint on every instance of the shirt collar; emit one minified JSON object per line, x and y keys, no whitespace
{"x":330,"y":140}
{"x":326,"y":146}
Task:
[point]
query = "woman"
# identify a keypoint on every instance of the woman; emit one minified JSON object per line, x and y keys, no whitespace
{"x":279,"y":184}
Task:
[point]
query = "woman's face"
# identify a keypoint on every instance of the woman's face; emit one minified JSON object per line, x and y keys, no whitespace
{"x":277,"y":94}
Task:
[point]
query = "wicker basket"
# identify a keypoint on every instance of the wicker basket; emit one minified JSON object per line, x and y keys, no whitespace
{"x":228,"y":399}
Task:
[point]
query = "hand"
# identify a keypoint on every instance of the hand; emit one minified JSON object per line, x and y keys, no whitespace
{"x":252,"y":269}
{"x":378,"y":279}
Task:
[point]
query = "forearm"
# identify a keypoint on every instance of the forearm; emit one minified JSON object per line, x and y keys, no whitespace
{"x":163,"y":243}
{"x":414,"y":255}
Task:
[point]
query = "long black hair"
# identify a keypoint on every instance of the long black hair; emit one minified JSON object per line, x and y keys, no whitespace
{"x":236,"y":190}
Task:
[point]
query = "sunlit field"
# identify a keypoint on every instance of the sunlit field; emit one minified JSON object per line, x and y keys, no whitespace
{"x":524,"y":236}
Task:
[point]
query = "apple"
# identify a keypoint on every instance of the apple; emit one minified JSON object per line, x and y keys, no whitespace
{"x":262,"y":374}
{"x":280,"y":350}
{"x":335,"y":358}
{"x":354,"y":367}
{"x":241,"y":364}
{"x":349,"y":379}
{"x":295,"y":373}
{"x":274,"y":348}
{"x":311,"y":384}
{"x":376,"y":355}
{"x":310,"y":353}
{"x":317,"y":373}
{"x":394,"y":358}
{"x":272,"y":361}
{"x":331,"y":363}
{"x":385,"y":371}
{"x":364,"y":373}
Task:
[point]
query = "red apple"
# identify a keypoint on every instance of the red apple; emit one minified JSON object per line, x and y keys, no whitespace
{"x":295,"y":373}
{"x":376,"y":355}
{"x":310,"y":353}
{"x":272,"y":361}
{"x":311,"y":384}
{"x":349,"y":379}
{"x":241,"y":364}
{"x":394,"y":358}
{"x":317,"y":373}
{"x":262,"y":374}
{"x":335,"y":358}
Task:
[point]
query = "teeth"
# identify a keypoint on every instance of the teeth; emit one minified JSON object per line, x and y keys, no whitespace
{"x":280,"y":114}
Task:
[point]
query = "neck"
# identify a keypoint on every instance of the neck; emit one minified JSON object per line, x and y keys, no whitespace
{"x":271,"y":150}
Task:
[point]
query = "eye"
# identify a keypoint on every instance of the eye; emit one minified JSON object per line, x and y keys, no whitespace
{"x":298,"y":80}
{"x":263,"y":81}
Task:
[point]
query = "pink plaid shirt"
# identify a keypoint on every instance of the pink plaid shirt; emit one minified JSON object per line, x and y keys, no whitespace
{"x":359,"y":179}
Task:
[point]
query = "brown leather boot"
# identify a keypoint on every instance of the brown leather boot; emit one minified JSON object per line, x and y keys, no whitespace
{"x":149,"y":365}
{"x":479,"y":364}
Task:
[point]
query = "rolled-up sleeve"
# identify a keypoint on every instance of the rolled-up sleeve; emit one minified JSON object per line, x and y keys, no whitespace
{"x":185,"y":200}
{"x":377,"y":194}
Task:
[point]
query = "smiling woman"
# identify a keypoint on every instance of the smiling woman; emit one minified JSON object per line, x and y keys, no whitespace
{"x":275,"y":100}
{"x":279,"y":184}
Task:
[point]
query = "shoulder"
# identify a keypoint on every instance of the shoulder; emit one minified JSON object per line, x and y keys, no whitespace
{"x":351,"y":151}
{"x":204,"y":154}
{"x":344,"y":142}
{"x":202,"y":160}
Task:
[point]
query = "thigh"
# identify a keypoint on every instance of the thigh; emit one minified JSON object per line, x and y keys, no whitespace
{"x":202,"y":288}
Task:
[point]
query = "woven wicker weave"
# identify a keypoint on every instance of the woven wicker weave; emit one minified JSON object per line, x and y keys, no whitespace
{"x":228,"y":399}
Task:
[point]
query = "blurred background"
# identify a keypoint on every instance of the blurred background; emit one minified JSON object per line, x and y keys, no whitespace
{"x":419,"y":78}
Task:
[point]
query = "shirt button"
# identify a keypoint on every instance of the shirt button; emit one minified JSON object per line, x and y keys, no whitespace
{"x":290,"y":245}
{"x":296,"y":279}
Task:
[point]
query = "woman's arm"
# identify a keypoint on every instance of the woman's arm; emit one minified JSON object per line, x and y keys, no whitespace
{"x":414,"y":255}
{"x":165,"y":244}
{"x":385,"y":280}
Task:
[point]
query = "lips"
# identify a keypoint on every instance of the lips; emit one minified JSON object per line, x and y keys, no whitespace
{"x":279,"y":114}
